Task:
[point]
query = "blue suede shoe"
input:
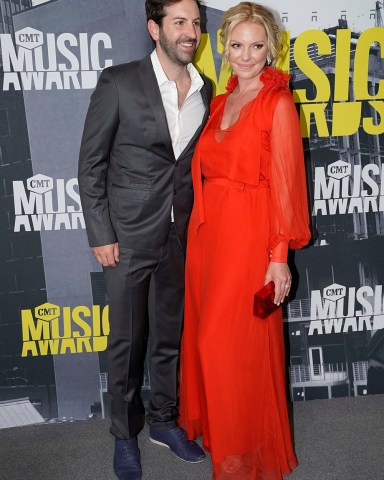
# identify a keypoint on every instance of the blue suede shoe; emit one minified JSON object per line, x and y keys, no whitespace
{"x":126,"y":461}
{"x":176,"y":440}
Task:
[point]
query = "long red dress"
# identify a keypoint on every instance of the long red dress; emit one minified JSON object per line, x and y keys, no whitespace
{"x":250,"y":196}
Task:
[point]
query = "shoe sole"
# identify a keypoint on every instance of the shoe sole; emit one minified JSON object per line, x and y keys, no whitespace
{"x":167,"y":446}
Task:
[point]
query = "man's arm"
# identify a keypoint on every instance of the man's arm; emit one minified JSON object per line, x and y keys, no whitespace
{"x":99,"y":132}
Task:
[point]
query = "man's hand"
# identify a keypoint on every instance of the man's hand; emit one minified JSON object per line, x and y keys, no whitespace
{"x":107,"y":255}
{"x":281,"y":276}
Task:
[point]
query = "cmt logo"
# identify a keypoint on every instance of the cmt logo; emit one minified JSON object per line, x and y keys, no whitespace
{"x":47,"y":312}
{"x":339,"y":169}
{"x":334,"y":292}
{"x":29,"y":38}
{"x":40,"y":184}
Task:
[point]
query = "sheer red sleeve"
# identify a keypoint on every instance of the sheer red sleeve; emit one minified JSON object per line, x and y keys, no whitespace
{"x":279,"y":253}
{"x":289,"y":225}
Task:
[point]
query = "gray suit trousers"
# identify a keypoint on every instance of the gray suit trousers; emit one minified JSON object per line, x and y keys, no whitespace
{"x":128,"y":287}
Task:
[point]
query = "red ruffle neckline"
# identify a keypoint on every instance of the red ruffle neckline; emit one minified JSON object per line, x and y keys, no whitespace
{"x":270,"y":77}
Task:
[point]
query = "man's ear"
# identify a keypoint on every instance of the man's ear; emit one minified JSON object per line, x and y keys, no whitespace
{"x":153,"y":29}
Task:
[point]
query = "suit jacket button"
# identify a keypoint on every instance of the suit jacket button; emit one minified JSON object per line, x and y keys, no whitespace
{"x":175,"y":192}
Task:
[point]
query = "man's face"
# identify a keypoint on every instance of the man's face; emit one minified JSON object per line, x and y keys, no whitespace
{"x":179,"y":35}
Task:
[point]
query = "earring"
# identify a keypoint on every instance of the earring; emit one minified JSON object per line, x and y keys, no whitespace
{"x":269,"y":61}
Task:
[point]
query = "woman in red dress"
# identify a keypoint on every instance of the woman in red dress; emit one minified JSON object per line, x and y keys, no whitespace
{"x":250,"y":207}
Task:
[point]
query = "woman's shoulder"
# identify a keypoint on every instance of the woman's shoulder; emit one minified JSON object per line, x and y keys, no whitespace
{"x":275,"y":79}
{"x":276,"y":90}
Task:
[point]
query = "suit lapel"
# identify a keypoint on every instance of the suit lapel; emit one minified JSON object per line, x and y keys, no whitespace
{"x":151,"y":90}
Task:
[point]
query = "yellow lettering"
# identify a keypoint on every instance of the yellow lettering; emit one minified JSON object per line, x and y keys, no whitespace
{"x":205,"y":63}
{"x":32,"y":330}
{"x":283,"y":63}
{"x":363,"y":47}
{"x":96,"y":320}
{"x":79,"y":321}
{"x":368,"y":124}
{"x":105,"y":321}
{"x":29,"y":347}
{"x":49,"y":346}
{"x":43,"y":337}
{"x":100,"y":344}
{"x":318,"y":110}
{"x":66,"y":325}
{"x":68,"y":343}
{"x":100,"y":321}
{"x":83,"y":342}
{"x":309,"y":67}
{"x":342,"y":64}
{"x":220,"y":46}
{"x":346,"y":118}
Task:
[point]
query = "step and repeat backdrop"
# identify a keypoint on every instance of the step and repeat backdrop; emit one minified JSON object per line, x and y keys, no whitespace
{"x":53,"y":306}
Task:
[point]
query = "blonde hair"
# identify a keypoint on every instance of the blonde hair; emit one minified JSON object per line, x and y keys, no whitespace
{"x":253,"y":13}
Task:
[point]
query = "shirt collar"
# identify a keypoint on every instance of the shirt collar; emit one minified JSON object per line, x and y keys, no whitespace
{"x":196,"y":80}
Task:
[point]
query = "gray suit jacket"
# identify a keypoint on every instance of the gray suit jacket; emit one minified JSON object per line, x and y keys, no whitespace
{"x":128,"y":175}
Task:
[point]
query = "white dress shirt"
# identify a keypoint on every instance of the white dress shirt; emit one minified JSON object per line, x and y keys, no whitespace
{"x":183,"y":122}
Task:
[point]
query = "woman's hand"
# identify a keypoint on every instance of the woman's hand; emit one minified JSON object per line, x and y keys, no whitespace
{"x":280,"y":275}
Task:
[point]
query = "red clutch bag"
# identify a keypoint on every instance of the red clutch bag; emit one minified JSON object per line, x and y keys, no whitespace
{"x":263,"y":304}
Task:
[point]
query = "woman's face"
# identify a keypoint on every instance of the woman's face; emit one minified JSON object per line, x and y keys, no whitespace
{"x":248,"y":50}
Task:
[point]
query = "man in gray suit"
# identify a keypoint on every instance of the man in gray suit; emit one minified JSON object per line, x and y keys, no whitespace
{"x":140,"y":131}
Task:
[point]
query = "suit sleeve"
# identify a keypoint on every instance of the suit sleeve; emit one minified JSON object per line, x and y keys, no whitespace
{"x":289,"y":221}
{"x":98,"y":136}
{"x":208,"y":86}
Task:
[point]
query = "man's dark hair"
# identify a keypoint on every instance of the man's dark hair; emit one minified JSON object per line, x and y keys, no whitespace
{"x":155,"y":9}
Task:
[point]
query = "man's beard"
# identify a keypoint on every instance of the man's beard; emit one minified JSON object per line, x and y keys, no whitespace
{"x":170,"y":49}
